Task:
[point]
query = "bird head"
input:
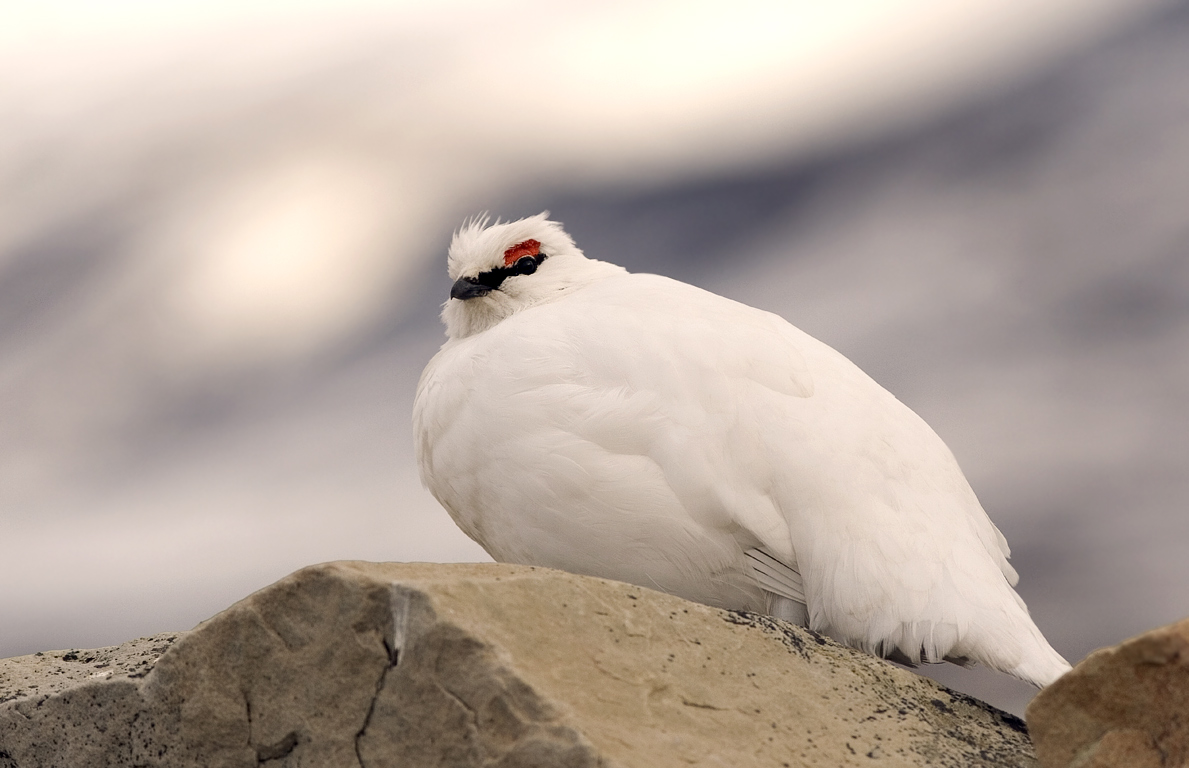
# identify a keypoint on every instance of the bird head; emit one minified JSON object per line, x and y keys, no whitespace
{"x":499,"y":269}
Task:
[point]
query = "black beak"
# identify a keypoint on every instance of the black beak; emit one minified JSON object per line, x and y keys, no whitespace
{"x":465,"y":288}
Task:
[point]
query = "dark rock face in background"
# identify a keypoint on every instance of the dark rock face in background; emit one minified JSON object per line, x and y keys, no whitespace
{"x":1018,"y":274}
{"x":375,"y":664}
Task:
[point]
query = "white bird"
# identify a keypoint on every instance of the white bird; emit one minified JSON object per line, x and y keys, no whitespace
{"x":637,"y":428}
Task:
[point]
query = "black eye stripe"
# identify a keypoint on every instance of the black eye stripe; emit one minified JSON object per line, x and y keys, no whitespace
{"x":493,"y":277}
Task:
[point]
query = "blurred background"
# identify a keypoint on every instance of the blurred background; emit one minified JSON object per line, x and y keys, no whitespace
{"x":222,"y":254}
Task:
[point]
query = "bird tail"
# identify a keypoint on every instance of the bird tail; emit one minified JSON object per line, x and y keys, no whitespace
{"x":1023,"y":652}
{"x":1041,"y":664}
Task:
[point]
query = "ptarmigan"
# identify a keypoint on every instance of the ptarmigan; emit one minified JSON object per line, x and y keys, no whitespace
{"x":636,"y":428}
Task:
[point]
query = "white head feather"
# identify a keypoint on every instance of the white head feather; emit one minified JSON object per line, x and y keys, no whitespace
{"x":479,"y":247}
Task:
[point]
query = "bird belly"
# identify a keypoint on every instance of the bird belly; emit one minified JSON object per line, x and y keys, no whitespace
{"x":546,"y":497}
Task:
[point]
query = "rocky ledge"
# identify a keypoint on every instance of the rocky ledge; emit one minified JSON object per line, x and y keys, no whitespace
{"x":384,"y":664}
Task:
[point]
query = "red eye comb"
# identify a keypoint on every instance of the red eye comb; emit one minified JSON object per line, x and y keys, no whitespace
{"x":520,"y":250}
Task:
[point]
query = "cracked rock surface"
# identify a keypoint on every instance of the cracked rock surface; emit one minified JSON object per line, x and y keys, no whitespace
{"x":387,"y":664}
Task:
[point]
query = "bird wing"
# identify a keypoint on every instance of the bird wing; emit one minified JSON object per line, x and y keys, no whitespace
{"x":703,"y":373}
{"x":767,"y":433}
{"x":775,"y":575}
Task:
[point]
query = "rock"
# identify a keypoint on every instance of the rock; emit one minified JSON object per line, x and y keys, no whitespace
{"x":54,"y":671}
{"x":1121,"y":706}
{"x":366,"y":664}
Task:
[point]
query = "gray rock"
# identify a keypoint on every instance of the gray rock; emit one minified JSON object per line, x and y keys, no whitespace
{"x":366,"y":664}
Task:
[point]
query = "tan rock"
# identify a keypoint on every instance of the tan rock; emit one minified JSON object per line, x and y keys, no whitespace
{"x":1124,"y":706}
{"x":364,"y":664}
{"x":54,"y":671}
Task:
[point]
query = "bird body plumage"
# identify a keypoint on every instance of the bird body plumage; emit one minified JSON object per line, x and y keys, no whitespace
{"x":634,"y":427}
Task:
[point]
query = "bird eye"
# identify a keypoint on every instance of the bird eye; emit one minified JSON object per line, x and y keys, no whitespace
{"x":525,"y":265}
